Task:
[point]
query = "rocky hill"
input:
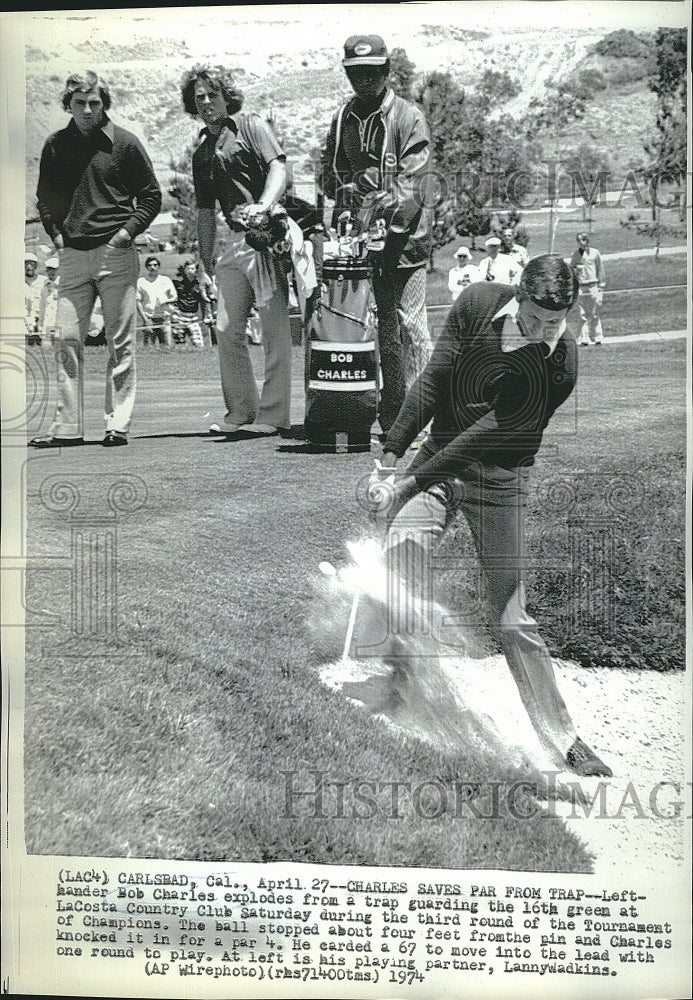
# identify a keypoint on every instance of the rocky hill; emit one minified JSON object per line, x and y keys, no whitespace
{"x":293,"y":71}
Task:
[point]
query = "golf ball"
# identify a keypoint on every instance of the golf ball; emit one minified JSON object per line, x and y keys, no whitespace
{"x":327,"y":569}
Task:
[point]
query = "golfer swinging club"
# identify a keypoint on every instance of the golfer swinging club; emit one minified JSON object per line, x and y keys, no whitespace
{"x":500,"y":368}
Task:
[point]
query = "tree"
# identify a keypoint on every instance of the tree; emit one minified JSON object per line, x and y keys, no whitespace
{"x":667,"y":150}
{"x":509,"y":161}
{"x":401,"y":73}
{"x":564,"y":105}
{"x":184,"y":210}
{"x":587,"y":165}
{"x":655,"y":229}
{"x":442,"y":101}
{"x":472,"y":221}
{"x":481,"y":164}
{"x":496,"y":88}
{"x":622,"y":44}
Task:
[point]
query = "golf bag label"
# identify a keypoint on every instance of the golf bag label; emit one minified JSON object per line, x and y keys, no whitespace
{"x":342,"y":363}
{"x":342,"y":367}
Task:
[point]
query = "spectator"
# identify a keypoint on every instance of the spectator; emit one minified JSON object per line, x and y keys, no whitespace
{"x":96,"y":192}
{"x":513,"y":249}
{"x":500,"y":369}
{"x":380,"y":142}
{"x":156,"y":298}
{"x":192,"y":305}
{"x":240,"y":165}
{"x":48,"y":301}
{"x":33,"y":283}
{"x":499,"y":267}
{"x":589,"y":268}
{"x":463,"y":273}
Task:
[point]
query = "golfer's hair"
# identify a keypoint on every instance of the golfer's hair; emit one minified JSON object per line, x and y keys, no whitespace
{"x":83,"y":83}
{"x":149,"y":260}
{"x":549,"y":282}
{"x":219,"y":79}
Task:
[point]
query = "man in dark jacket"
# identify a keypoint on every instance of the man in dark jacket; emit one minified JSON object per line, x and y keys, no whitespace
{"x":378,"y":142}
{"x":499,"y":370}
{"x":96,"y":192}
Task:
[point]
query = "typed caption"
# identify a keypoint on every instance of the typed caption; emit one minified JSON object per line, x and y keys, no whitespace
{"x":398,"y":932}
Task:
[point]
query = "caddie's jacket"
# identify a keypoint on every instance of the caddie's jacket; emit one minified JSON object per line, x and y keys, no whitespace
{"x":489,"y":393}
{"x":387,"y":150}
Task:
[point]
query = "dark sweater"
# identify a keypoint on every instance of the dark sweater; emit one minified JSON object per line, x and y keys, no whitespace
{"x":89,"y":188}
{"x":484,"y":403}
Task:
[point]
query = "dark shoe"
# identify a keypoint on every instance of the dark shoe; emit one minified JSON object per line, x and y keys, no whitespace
{"x":585,"y":762}
{"x":48,"y":441}
{"x":114,"y":439}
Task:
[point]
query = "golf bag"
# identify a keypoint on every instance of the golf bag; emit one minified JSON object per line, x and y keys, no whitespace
{"x":342,"y":374}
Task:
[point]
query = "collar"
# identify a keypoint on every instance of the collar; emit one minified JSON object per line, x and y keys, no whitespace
{"x":108,"y":129}
{"x":384,"y":106}
{"x":107,"y":132}
{"x":228,"y":123}
{"x":512,"y":337}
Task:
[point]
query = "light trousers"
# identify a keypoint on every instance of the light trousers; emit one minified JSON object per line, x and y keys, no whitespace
{"x":111,"y":274}
{"x":235,"y":300}
{"x":589,"y":303}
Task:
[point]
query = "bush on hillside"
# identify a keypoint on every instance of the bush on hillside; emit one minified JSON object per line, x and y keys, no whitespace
{"x":624,"y":43}
{"x":629,"y":71}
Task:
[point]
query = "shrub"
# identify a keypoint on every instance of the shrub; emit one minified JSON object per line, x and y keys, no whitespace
{"x":624,"y":43}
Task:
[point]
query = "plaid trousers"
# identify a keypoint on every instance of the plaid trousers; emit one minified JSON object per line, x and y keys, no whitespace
{"x":404,"y":343}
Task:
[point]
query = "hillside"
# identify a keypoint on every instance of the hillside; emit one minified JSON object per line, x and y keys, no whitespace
{"x":297,"y":76}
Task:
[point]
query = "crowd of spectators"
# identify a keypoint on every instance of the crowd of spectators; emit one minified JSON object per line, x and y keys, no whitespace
{"x":178,"y":311}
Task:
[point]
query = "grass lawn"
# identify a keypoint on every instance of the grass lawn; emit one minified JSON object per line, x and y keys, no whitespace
{"x":169,"y":736}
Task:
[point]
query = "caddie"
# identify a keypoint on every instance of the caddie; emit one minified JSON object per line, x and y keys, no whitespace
{"x":378,"y":141}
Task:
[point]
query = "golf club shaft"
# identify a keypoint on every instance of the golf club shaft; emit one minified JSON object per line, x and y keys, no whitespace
{"x":350,"y":626}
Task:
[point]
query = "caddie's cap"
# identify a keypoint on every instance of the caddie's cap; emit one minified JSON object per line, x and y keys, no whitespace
{"x":364,"y":50}
{"x":52,"y":262}
{"x":493,"y":241}
{"x":30,"y":256}
{"x":463,"y":252}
